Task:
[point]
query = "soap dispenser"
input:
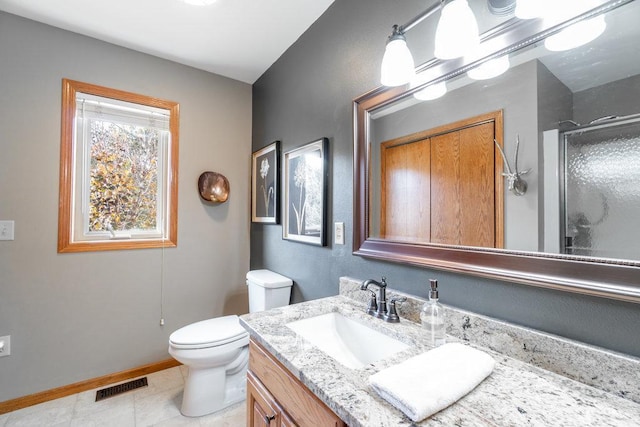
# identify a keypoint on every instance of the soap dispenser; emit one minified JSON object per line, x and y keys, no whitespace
{"x":432,"y":316}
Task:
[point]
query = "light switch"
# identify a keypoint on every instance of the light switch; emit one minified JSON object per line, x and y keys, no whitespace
{"x":6,"y":230}
{"x":338,"y":233}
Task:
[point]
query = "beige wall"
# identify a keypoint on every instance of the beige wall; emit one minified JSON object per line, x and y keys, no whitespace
{"x":73,"y":317}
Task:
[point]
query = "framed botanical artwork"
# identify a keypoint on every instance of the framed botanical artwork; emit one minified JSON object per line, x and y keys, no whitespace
{"x":265,"y":178}
{"x":305,"y":182}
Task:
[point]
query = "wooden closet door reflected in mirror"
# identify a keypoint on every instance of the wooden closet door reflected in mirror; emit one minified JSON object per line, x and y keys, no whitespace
{"x":447,"y":183}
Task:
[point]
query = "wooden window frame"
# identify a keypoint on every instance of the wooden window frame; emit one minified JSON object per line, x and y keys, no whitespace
{"x":67,"y":170}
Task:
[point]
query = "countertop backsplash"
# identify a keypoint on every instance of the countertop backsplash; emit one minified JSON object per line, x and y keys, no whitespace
{"x":600,"y":368}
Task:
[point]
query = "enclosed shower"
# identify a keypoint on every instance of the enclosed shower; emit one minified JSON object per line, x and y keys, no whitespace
{"x":598,"y":179}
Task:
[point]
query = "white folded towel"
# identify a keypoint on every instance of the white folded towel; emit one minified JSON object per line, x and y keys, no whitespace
{"x":431,"y":381}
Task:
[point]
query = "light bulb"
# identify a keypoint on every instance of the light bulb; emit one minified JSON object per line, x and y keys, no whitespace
{"x":398,"y":67}
{"x":457,"y":31}
{"x":431,"y":92}
{"x":490,"y":69}
{"x":576,"y":35}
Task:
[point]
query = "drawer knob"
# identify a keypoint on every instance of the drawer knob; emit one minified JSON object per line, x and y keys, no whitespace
{"x":269,"y":418}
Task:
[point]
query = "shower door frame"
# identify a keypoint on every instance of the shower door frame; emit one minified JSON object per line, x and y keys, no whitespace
{"x":595,"y":125}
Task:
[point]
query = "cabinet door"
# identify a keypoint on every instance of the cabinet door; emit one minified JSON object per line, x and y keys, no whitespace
{"x":462,"y":187}
{"x":262,"y":409}
{"x":405,"y":210}
{"x":286,"y":421}
{"x":289,"y":397}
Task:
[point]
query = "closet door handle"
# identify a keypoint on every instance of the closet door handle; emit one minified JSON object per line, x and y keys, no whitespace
{"x":269,"y":418}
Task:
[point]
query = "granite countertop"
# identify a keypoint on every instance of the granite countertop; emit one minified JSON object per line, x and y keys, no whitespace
{"x":516,"y":393}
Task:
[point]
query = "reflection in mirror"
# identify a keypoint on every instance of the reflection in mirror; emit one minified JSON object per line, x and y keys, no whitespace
{"x":583,"y":195}
{"x":575,"y":114}
{"x":601,"y":195}
{"x":427,"y":179}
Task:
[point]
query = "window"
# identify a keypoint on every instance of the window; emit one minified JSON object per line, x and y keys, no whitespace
{"x":118,"y":170}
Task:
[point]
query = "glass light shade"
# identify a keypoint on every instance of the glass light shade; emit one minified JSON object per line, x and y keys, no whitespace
{"x":576,"y":35}
{"x":490,"y":69}
{"x":431,"y":92}
{"x":398,"y":67}
{"x":457,"y":31}
{"x":529,"y":9}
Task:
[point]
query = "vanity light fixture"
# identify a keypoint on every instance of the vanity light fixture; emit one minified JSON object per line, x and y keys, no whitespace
{"x":571,"y":37}
{"x":577,"y":34}
{"x":490,"y":69}
{"x":456,"y":35}
{"x":501,"y":7}
{"x":398,"y":67}
{"x":432,"y":91}
{"x":457,"y":31}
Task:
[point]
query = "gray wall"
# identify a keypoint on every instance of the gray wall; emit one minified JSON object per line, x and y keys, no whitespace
{"x":307,"y":94}
{"x":73,"y":317}
{"x":555,"y":103}
{"x":618,"y":98}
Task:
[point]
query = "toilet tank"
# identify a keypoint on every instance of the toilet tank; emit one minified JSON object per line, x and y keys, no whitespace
{"x":267,"y":290}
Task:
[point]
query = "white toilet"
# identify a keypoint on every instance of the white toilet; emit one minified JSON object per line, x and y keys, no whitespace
{"x":217,"y":350}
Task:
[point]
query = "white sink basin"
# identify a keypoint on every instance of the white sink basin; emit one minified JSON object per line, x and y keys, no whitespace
{"x":349,"y":342}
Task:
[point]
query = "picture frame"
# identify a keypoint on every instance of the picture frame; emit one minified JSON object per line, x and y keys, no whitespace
{"x":305,"y":184}
{"x":265,"y":184}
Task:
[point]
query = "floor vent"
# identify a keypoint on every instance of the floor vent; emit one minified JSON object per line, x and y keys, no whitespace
{"x":120,"y":388}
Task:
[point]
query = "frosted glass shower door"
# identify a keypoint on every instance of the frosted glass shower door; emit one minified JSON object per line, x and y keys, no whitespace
{"x":602,"y":191}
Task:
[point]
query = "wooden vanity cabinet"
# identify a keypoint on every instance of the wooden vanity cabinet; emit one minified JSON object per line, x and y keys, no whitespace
{"x":262,"y":408}
{"x":276,"y":398}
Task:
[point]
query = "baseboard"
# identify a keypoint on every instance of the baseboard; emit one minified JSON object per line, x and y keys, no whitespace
{"x":56,"y":393}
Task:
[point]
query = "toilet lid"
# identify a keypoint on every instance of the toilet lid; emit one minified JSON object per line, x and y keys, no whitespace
{"x":209,"y":333}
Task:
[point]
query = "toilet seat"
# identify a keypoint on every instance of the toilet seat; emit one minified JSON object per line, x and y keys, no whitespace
{"x":209,"y":333}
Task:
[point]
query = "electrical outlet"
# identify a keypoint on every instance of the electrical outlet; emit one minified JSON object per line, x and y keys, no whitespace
{"x":5,"y":345}
{"x":338,"y":233}
{"x":6,"y":230}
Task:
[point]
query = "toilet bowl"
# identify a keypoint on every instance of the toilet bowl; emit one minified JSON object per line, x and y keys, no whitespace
{"x":216,"y":351}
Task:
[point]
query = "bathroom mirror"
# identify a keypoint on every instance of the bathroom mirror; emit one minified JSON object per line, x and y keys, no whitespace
{"x":577,"y":116}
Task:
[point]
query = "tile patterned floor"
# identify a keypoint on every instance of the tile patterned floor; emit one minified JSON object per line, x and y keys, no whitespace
{"x":155,"y":405}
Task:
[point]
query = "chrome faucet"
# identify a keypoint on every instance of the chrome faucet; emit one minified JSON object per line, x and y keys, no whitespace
{"x":381,"y":310}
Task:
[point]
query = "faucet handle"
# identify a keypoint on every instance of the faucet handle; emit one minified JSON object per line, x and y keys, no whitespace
{"x":392,"y":315}
{"x":373,"y":304}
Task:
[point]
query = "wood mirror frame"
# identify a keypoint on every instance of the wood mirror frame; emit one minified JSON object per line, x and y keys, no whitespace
{"x":609,"y":278}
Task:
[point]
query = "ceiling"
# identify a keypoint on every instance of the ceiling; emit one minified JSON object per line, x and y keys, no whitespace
{"x":239,"y":39}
